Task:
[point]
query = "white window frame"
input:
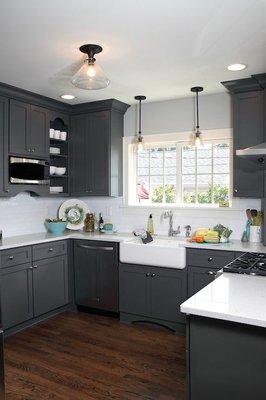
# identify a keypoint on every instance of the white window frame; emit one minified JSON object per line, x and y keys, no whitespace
{"x":177,"y":139}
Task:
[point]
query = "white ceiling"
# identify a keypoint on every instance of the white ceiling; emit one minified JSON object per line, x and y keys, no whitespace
{"x":159,"y":48}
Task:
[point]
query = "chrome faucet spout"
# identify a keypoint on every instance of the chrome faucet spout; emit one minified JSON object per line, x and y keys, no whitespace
{"x":171,"y":231}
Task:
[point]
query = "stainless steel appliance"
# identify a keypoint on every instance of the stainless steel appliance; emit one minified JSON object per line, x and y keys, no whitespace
{"x":249,"y":264}
{"x":28,"y":171}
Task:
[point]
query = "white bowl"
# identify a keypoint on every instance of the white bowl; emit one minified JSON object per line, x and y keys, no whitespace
{"x":51,"y":133}
{"x":56,"y":189}
{"x":63,"y":136}
{"x":52,"y":170}
{"x":60,"y":170}
{"x":57,"y":134}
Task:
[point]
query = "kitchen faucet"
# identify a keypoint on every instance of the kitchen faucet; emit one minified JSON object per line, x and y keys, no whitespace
{"x":171,"y":231}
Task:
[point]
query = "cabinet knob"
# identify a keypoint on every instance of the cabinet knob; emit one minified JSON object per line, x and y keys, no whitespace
{"x":30,"y":267}
{"x":35,"y":266}
{"x":210,"y":259}
{"x":29,"y":150}
{"x":11,"y":257}
{"x":7,"y":190}
{"x":148,"y":274}
{"x":33,"y":150}
{"x":235,"y":190}
{"x":212,"y":273}
{"x":51,"y":249}
{"x":153,"y":275}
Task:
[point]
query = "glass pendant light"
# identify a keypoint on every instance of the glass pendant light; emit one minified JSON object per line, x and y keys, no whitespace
{"x":139,"y":145}
{"x":197,"y":138}
{"x":90,"y":76}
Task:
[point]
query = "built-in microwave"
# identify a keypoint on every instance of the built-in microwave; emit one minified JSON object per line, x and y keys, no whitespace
{"x":28,"y":171}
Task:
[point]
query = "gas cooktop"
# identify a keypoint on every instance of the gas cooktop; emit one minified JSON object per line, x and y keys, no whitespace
{"x":248,"y":263}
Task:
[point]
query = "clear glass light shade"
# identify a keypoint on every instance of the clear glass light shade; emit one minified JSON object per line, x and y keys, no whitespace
{"x":197,"y":141}
{"x":90,"y":77}
{"x":138,"y":144}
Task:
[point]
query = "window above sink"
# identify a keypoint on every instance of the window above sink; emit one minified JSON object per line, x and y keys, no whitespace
{"x":169,"y":171}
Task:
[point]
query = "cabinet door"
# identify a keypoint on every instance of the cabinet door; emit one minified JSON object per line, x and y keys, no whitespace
{"x":39,"y":132}
{"x":99,"y":144}
{"x":16,"y":295}
{"x":134,"y":289}
{"x":19,"y":128}
{"x":80,"y":155}
{"x":3,"y":151}
{"x":198,"y":278}
{"x":247,"y":132}
{"x":168,"y":291}
{"x":50,"y":284}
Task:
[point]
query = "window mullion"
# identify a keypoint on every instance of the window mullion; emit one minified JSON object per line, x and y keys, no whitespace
{"x":196,"y":175}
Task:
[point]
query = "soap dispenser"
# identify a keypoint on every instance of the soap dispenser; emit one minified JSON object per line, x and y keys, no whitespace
{"x":150,"y":226}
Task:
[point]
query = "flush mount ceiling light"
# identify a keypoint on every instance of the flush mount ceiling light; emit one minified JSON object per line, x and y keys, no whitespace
{"x":236,"y":67}
{"x":90,"y":76}
{"x":139,"y":142}
{"x":197,"y":140}
{"x":67,"y":96}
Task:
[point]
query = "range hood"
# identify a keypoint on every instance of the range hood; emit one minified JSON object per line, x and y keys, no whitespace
{"x":254,"y":151}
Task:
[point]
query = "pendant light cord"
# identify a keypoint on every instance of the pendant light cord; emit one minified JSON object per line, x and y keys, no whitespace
{"x":140,"y":117}
{"x":197,"y":98}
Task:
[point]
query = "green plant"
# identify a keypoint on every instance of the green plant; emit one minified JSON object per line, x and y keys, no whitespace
{"x":165,"y":194}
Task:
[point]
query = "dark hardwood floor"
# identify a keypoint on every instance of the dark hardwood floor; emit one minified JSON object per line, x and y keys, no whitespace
{"x":78,"y":356}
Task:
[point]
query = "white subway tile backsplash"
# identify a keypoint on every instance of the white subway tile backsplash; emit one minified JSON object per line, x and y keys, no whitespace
{"x":26,"y":214}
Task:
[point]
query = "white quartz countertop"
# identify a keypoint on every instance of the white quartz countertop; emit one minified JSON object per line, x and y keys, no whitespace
{"x":231,"y":297}
{"x":36,"y":238}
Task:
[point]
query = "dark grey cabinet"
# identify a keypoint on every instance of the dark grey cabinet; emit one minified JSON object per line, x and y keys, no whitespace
{"x":28,"y":130}
{"x":199,"y":277}
{"x":248,"y":131}
{"x":50,"y":284}
{"x":96,"y":274}
{"x":96,"y":151}
{"x":203,"y":265}
{"x":4,"y":105}
{"x":152,"y":294}
{"x":16,"y":295}
{"x":32,"y":288}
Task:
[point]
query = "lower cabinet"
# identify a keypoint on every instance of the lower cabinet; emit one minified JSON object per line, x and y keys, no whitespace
{"x":16,"y":295}
{"x":50,"y":284}
{"x":199,"y":277}
{"x":151,"y":293}
{"x":31,"y":289}
{"x":96,"y":274}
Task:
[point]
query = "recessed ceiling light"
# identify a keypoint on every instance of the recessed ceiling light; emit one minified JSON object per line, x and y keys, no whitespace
{"x":236,"y":67}
{"x":67,"y":96}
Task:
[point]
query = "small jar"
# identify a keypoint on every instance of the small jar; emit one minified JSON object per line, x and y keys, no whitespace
{"x":89,"y":223}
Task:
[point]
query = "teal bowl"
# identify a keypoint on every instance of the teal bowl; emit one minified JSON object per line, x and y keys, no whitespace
{"x":56,"y":227}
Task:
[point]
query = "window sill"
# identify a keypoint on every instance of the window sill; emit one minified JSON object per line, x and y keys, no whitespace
{"x":160,"y":208}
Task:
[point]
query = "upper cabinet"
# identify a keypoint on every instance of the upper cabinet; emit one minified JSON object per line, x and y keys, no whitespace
{"x":28,"y":130}
{"x":248,"y":130}
{"x":96,"y":150}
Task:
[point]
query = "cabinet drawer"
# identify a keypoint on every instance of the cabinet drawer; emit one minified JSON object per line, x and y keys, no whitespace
{"x":47,"y":250}
{"x":209,"y":258}
{"x":20,"y":255}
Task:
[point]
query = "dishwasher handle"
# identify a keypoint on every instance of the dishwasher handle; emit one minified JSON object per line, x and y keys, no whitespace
{"x":103,"y":248}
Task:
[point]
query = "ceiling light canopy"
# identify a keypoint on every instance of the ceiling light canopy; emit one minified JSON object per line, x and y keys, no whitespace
{"x":90,"y":76}
{"x":197,"y":139}
{"x":67,"y":96}
{"x":236,"y":67}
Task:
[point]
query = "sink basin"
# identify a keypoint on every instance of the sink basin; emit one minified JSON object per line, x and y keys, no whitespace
{"x":161,"y":253}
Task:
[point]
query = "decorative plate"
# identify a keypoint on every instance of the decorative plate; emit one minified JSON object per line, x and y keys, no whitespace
{"x":74,"y":211}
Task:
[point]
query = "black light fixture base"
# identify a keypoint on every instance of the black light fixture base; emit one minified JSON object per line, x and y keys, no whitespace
{"x":197,"y":89}
{"x":140,"y":97}
{"x":91,"y":49}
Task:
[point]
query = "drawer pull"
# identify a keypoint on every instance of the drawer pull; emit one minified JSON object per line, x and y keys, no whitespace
{"x":212,"y":273}
{"x":84,"y":246}
{"x":35,"y":266}
{"x":210,"y":259}
{"x":11,"y":258}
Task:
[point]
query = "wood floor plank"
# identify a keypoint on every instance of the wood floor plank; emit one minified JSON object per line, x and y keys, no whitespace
{"x":79,"y":356}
